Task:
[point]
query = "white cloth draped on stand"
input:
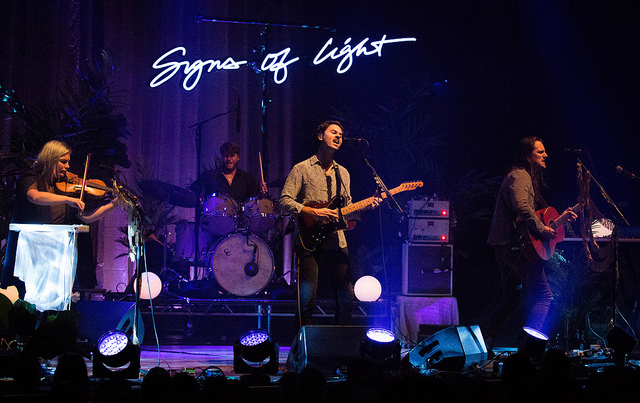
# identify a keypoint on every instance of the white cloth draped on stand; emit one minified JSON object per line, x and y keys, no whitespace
{"x":46,"y":259}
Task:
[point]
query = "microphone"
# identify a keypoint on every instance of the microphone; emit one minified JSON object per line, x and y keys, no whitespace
{"x":573,"y":150}
{"x":626,"y":173}
{"x":238,"y":116}
{"x":251,"y":269}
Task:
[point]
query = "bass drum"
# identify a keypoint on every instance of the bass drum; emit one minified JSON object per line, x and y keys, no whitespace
{"x":242,"y":264}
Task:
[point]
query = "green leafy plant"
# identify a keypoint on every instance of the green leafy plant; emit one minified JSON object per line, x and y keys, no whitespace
{"x":571,"y":283}
{"x":41,"y":336}
{"x":158,"y":211}
{"x":83,"y":115}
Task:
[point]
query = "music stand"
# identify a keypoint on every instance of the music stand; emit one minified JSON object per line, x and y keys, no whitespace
{"x":46,"y":260}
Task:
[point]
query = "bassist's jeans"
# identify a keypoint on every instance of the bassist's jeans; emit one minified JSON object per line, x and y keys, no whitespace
{"x":333,"y":266}
{"x":522,"y":281}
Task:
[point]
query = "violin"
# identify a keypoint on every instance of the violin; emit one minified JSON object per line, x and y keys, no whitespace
{"x":73,"y":184}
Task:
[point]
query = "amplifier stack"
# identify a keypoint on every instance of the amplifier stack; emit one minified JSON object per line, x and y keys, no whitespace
{"x":427,"y":256}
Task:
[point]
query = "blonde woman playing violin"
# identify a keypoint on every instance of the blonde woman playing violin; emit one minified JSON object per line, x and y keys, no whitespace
{"x":39,"y":201}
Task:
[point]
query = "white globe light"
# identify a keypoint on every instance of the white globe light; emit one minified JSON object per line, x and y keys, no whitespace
{"x":151,"y":285}
{"x":367,"y":289}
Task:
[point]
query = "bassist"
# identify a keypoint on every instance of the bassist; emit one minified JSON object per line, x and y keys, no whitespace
{"x":321,"y":179}
{"x":522,"y":279}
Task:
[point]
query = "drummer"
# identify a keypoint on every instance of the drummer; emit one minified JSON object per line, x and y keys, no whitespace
{"x":228,"y":179}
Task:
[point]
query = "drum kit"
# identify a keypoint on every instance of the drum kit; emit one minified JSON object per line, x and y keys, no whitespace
{"x":235,"y":258}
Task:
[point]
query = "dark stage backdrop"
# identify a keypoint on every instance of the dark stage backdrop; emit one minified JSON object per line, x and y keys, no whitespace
{"x":493,"y":71}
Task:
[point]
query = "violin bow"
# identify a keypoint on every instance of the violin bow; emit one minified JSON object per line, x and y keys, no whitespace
{"x":84,"y":177}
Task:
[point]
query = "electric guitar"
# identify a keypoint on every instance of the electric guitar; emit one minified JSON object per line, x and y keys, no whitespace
{"x":535,"y":248}
{"x":313,"y":232}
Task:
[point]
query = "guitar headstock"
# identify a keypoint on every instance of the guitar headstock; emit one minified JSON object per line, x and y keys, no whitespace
{"x":406,"y":186}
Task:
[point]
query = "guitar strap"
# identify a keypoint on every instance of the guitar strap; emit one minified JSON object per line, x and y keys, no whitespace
{"x":338,"y":186}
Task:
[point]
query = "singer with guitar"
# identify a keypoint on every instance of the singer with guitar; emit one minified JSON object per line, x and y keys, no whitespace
{"x":523,"y":278}
{"x":310,"y":187}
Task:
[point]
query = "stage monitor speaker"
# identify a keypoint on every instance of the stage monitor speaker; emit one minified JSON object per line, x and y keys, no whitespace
{"x":329,"y":349}
{"x":98,"y":317}
{"x":425,"y":331}
{"x":456,"y":348}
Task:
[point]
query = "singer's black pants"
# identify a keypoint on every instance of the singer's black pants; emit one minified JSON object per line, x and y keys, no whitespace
{"x":331,"y":267}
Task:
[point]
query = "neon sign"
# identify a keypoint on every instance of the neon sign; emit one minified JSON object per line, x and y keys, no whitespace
{"x":347,"y":52}
{"x":277,"y":63}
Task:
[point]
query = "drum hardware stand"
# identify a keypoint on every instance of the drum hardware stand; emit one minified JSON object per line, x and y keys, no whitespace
{"x":189,"y":324}
{"x":174,"y":273}
{"x":261,"y":313}
{"x":164,"y":240}
{"x":196,"y":231}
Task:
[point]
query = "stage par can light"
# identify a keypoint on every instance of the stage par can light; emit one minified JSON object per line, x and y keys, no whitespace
{"x":380,"y":335}
{"x":536,"y":334}
{"x":380,"y":345}
{"x":114,"y":356}
{"x":255,"y":345}
{"x":255,"y":353}
{"x":532,"y":343}
{"x":622,"y":344}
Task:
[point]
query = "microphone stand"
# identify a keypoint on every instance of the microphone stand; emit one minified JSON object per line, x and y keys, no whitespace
{"x":137,"y":215}
{"x":198,"y":212}
{"x":384,"y":190}
{"x":258,"y":53}
{"x":617,"y":216}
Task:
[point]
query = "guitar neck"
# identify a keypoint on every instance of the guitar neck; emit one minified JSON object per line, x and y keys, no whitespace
{"x":362,"y":204}
{"x":562,"y":220}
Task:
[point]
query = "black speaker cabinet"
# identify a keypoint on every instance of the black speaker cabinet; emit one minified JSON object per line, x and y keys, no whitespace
{"x":98,"y":317}
{"x":456,"y":348}
{"x":329,"y":349}
{"x":427,"y":269}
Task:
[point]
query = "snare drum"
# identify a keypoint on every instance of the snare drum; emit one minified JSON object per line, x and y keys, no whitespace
{"x":242,"y":264}
{"x":259,"y":215}
{"x":219,"y":214}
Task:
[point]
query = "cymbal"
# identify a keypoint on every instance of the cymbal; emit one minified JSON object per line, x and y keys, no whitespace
{"x":277,"y":183}
{"x":169,"y":193}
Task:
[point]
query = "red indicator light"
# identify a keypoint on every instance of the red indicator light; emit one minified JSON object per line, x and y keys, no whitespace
{"x":444,"y":212}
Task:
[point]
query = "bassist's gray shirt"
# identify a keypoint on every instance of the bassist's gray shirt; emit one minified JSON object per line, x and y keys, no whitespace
{"x":307,"y":183}
{"x":515,"y":199}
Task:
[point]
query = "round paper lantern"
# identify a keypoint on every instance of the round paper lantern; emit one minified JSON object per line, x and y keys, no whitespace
{"x":367,"y":289}
{"x":150,"y":288}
